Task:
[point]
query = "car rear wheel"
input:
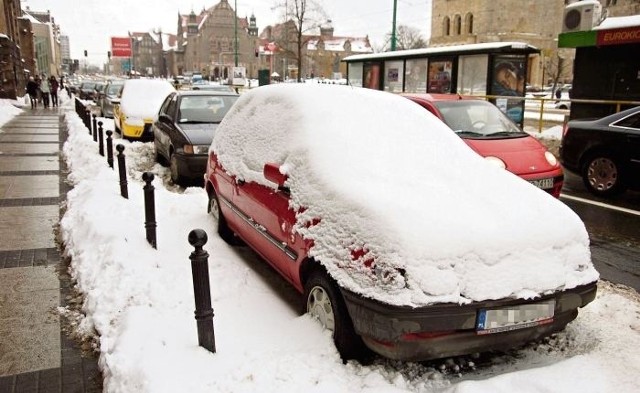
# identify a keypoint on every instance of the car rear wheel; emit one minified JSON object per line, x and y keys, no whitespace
{"x":325,"y":303}
{"x":223,"y":229}
{"x":601,"y":175}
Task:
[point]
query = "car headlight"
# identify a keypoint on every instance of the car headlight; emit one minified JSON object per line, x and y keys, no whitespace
{"x":196,"y":149}
{"x":496,"y":161}
{"x":551,"y":159}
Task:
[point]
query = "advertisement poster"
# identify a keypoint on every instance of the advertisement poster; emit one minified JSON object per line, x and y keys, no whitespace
{"x":440,"y":76}
{"x":239,"y":76}
{"x":372,"y":76}
{"x":509,"y":73}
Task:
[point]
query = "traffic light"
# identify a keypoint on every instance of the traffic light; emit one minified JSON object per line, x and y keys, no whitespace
{"x":257,"y":53}
{"x":85,"y":53}
{"x":109,"y":54}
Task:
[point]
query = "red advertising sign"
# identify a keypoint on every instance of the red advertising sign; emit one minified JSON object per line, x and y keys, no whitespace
{"x":619,"y":36}
{"x":121,"y":46}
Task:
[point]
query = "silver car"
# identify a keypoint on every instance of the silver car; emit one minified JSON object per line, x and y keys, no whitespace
{"x":112,"y":90}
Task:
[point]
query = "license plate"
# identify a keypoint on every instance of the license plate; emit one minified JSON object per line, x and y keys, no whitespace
{"x":496,"y":320}
{"x":543,"y":183}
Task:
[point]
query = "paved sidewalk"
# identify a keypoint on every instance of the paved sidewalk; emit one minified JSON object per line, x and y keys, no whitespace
{"x":35,"y":354}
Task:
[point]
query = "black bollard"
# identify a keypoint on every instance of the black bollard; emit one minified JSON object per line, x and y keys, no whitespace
{"x":87,"y":119}
{"x":100,"y":139}
{"x":149,"y":209}
{"x":109,"y":149}
{"x":94,"y":128}
{"x":202,"y":290}
{"x":122,"y":170}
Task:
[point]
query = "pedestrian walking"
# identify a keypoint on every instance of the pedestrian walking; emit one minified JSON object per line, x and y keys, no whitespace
{"x":45,"y":89}
{"x":32,"y":90}
{"x":53,"y":83}
{"x":38,"y":91}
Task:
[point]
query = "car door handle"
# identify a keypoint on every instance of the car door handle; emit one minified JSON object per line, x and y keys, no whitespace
{"x":240,"y":182}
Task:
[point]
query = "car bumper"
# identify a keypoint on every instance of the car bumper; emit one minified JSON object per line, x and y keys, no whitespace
{"x":443,"y":330}
{"x":137,"y":132}
{"x":191,"y":166}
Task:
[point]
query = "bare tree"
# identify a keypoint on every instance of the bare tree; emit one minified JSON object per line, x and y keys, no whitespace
{"x":304,"y":15}
{"x":407,"y":37}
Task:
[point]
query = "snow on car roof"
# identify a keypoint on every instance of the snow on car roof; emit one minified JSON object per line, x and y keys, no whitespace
{"x":142,"y":98}
{"x":383,"y":175}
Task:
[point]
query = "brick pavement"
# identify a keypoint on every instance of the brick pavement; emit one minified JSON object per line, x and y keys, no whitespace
{"x":35,"y":354}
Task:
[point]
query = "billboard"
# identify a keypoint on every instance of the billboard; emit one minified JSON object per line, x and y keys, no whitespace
{"x":121,"y":46}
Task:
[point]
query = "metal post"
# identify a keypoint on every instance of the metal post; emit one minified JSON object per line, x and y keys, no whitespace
{"x":122,"y":170}
{"x":202,"y":290}
{"x":393,"y":26}
{"x":87,"y":119}
{"x":149,"y":209}
{"x":95,"y":129}
{"x":100,"y":139}
{"x":110,"y":149}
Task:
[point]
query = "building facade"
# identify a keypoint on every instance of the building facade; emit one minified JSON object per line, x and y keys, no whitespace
{"x":213,"y":41}
{"x":537,"y":23}
{"x":148,"y":54}
{"x":12,"y":68}
{"x":46,"y":36}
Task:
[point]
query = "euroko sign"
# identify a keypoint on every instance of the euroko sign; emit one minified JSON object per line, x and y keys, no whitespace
{"x":620,"y":36}
{"x":627,"y":35}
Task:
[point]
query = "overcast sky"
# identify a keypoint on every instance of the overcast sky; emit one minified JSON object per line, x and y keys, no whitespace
{"x":90,"y":23}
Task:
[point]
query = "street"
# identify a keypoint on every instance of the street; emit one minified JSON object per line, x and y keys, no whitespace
{"x":614,"y":230}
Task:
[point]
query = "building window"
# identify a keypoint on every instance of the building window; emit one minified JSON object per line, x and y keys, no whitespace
{"x":468,"y":20}
{"x":457,"y":24}
{"x":446,"y":26}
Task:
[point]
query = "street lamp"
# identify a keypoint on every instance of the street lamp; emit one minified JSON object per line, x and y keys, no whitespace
{"x":235,"y":30}
{"x":393,"y":26}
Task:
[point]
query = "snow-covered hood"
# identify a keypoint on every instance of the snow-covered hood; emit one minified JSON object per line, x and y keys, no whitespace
{"x":409,"y":214}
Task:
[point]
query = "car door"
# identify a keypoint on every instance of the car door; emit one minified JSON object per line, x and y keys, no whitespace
{"x":162,"y":127}
{"x":267,"y":223}
{"x":630,"y":128}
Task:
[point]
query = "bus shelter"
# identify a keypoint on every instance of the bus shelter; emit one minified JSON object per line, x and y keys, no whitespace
{"x":497,"y":69}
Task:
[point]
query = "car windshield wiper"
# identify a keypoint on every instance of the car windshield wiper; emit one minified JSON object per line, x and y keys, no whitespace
{"x":506,"y":133}
{"x":468,"y":133}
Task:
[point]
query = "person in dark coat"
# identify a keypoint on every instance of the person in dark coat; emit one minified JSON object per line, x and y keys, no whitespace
{"x":32,"y":90}
{"x":53,"y":84}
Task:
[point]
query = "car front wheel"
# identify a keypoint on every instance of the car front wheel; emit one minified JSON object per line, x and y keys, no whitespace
{"x":325,"y":303}
{"x":173,"y":169}
{"x":602,"y":175}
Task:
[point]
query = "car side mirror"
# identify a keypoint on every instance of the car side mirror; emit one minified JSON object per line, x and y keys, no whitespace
{"x":272,"y":173}
{"x":164,"y":118}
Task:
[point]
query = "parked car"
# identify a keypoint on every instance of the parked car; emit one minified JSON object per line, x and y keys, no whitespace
{"x":490,"y":133}
{"x":86,"y":89}
{"x":98,"y":91}
{"x":184,"y":130}
{"x":212,"y":87}
{"x":403,"y":241}
{"x":604,"y":152}
{"x":138,"y":107}
{"x":112,"y":90}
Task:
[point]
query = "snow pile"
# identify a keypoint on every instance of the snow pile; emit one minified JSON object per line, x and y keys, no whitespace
{"x":8,"y":110}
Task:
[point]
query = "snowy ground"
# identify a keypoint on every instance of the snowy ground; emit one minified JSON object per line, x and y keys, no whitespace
{"x":140,"y":303}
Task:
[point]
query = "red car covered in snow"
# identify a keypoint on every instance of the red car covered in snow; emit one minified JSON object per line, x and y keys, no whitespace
{"x":494,"y":136}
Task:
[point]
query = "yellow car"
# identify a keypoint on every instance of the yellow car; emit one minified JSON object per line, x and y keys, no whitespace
{"x":137,"y":108}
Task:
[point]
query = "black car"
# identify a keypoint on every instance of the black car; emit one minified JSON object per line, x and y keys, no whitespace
{"x":605,"y":152}
{"x":184,"y":130}
{"x":86,"y":90}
